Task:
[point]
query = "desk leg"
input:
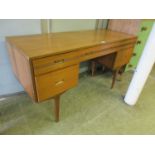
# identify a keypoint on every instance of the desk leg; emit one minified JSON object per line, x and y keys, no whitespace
{"x":57,"y":107}
{"x":114,"y":77}
{"x":93,"y":67}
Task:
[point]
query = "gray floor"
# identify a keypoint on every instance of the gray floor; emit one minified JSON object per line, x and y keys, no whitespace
{"x":90,"y":108}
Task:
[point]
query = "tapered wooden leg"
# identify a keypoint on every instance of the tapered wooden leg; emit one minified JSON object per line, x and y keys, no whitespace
{"x":115,"y":72}
{"x":93,"y":68}
{"x":57,"y":108}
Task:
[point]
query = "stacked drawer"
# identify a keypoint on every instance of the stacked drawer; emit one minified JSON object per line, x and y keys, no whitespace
{"x":55,"y":74}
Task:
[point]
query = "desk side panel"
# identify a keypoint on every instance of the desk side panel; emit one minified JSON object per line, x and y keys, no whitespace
{"x":123,"y":57}
{"x":12,"y":58}
{"x":22,"y":69}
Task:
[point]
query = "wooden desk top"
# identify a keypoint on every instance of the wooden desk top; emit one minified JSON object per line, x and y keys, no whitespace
{"x":41,"y":45}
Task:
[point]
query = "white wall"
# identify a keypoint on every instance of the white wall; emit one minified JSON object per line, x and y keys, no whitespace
{"x":61,"y":25}
{"x":8,"y":27}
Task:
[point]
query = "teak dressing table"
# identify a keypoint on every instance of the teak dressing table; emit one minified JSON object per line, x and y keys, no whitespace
{"x":48,"y":64}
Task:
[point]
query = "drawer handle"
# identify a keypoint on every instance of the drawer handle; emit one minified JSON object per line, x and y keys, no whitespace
{"x":59,"y":82}
{"x":59,"y":61}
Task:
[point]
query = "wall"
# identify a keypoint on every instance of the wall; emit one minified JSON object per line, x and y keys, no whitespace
{"x":8,"y":27}
{"x":138,"y":49}
{"x":61,"y":25}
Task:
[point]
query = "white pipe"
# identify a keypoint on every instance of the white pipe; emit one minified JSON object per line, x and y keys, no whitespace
{"x":142,"y":71}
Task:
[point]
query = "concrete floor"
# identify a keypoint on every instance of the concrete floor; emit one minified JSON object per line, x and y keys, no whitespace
{"x":90,"y":108}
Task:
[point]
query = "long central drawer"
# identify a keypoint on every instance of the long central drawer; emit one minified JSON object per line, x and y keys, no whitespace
{"x":51,"y":63}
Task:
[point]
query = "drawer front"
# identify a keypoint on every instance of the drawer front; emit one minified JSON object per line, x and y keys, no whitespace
{"x":51,"y":84}
{"x":48,"y":64}
{"x":51,"y":63}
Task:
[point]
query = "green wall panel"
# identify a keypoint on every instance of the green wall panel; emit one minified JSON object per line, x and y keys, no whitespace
{"x":142,"y":36}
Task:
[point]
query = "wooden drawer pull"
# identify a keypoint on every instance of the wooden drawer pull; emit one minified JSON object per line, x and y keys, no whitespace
{"x":59,"y":82}
{"x":59,"y":61}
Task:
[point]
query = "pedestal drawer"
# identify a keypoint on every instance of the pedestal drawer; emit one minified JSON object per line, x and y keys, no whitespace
{"x":51,"y":84}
